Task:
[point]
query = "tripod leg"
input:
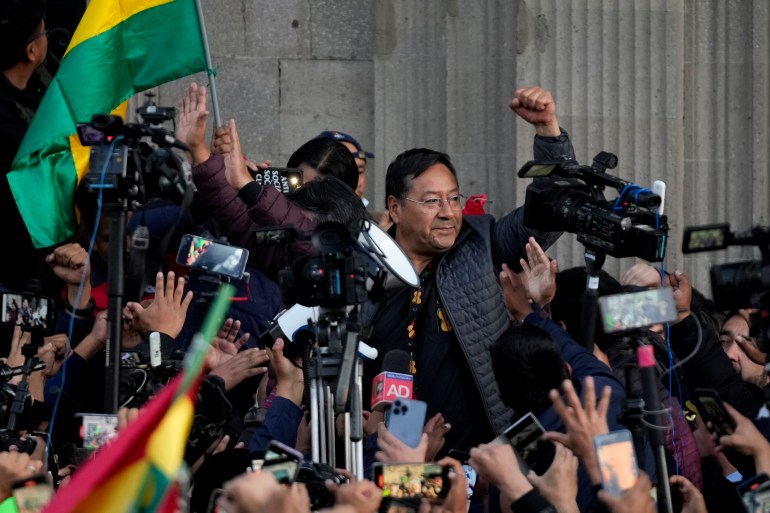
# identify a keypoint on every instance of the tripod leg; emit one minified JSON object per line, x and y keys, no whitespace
{"x":315,"y":424}
{"x":331,"y":458}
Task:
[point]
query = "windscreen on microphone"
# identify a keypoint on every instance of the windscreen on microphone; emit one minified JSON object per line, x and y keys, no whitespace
{"x":396,"y":360}
{"x":394,"y":381}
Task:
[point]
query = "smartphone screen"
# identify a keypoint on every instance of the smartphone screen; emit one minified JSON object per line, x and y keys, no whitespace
{"x":32,"y":494}
{"x":283,"y":462}
{"x":412,"y":480}
{"x":525,"y":435}
{"x":711,"y":408}
{"x":33,"y":313}
{"x":617,"y":461}
{"x":621,"y":312}
{"x":285,"y":179}
{"x":204,"y":254}
{"x":97,"y":429}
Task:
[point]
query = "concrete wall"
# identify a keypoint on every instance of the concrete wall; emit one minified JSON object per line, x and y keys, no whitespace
{"x":678,"y":89}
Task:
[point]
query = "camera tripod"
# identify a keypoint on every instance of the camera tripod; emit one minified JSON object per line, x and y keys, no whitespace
{"x":31,"y":364}
{"x":333,"y":374}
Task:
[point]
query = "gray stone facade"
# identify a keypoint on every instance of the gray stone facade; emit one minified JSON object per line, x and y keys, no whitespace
{"x":678,"y":89}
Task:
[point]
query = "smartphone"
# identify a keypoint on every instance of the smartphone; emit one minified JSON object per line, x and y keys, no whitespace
{"x":406,"y":420}
{"x":708,"y":237}
{"x":32,"y":313}
{"x":532,"y":452}
{"x":755,"y":493}
{"x":617,"y":461}
{"x":213,"y":257}
{"x":282,"y":461}
{"x":412,"y":480}
{"x":285,"y":179}
{"x":33,"y":494}
{"x":621,"y":312}
{"x":710,"y":407}
{"x":97,"y":429}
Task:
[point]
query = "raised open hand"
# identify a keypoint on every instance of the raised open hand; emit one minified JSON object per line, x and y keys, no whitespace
{"x":191,"y":126}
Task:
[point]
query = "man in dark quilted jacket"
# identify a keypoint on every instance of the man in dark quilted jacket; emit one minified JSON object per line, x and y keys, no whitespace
{"x":449,"y":322}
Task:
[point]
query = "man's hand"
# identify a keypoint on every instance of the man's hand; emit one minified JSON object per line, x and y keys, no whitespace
{"x":168,"y":310}
{"x":364,"y":496}
{"x":259,"y":492}
{"x":227,"y":143}
{"x":14,"y":466}
{"x":514,"y":294}
{"x":680,"y":282}
{"x":535,"y":105}
{"x":191,"y":128}
{"x":126,"y":416}
{"x":243,"y":365}
{"x":436,"y":428}
{"x":19,"y":340}
{"x":52,"y":353}
{"x":497,"y":465}
{"x":393,"y":450}
{"x":748,"y":440}
{"x":749,"y":346}
{"x":95,"y":342}
{"x":559,"y":483}
{"x":226,"y":344}
{"x":583,"y":422}
{"x":692,"y":499}
{"x":70,"y":263}
{"x":636,"y":499}
{"x":539,"y":274}
{"x":641,"y":274}
{"x":290,"y":383}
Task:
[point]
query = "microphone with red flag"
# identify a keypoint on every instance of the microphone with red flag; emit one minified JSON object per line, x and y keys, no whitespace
{"x":394,"y":381}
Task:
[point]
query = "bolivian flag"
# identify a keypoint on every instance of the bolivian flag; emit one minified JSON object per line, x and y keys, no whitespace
{"x":121,"y":47}
{"x":137,"y":472}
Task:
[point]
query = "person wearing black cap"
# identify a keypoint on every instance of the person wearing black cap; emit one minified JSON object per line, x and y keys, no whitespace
{"x":358,"y":153}
{"x":25,"y":45}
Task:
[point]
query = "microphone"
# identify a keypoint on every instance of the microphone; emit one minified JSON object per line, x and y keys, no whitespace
{"x":659,"y":188}
{"x":394,"y":381}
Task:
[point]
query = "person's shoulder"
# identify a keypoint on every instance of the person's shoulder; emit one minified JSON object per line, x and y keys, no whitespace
{"x":479,"y":223}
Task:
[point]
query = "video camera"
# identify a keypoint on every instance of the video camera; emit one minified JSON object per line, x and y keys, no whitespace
{"x":573,"y":201}
{"x":345,"y":271}
{"x":133,"y":168}
{"x":737,"y":284}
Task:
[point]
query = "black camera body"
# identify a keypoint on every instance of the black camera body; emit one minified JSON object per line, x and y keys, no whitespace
{"x":736,"y":284}
{"x":123,"y":163}
{"x":339,"y":275}
{"x":571,"y":199}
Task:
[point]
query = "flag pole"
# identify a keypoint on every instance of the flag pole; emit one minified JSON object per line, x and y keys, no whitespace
{"x":209,"y":66}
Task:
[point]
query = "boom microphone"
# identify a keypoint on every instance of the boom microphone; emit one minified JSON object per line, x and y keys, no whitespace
{"x":394,"y":381}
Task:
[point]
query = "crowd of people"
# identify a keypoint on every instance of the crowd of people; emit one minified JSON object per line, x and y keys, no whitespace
{"x":492,"y":330}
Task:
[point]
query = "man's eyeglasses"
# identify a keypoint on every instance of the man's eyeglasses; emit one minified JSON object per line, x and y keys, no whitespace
{"x":359,"y":155}
{"x":455,"y":202}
